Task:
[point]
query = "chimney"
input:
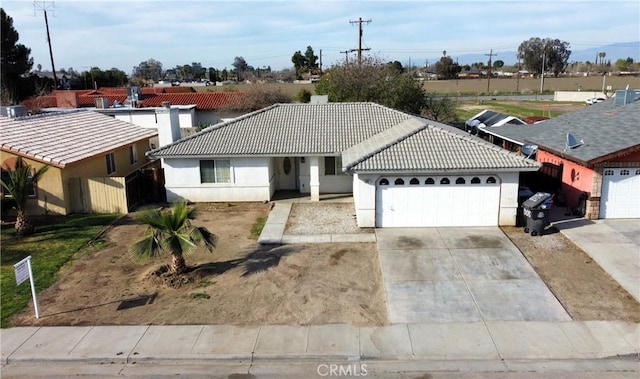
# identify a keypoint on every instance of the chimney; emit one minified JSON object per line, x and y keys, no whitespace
{"x":168,"y":124}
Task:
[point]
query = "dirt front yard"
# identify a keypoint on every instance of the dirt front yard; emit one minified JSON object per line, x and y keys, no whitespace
{"x":241,"y":283}
{"x":583,"y":288}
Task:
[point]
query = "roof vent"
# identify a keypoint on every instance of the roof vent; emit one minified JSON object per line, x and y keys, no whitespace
{"x":102,"y":102}
{"x":166,"y":104}
{"x":572,"y":142}
{"x":13,"y":111}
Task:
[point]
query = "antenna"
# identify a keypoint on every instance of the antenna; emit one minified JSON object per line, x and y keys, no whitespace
{"x":529,"y":149}
{"x":572,"y":142}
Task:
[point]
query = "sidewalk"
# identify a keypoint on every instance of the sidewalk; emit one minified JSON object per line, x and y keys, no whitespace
{"x":513,"y":340}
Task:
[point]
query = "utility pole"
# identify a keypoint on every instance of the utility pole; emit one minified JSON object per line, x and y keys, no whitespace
{"x":44,"y":6}
{"x":346,"y":56}
{"x":320,"y":61}
{"x":542,"y":74}
{"x":490,"y":55}
{"x":359,"y":22}
{"x":518,"y":73}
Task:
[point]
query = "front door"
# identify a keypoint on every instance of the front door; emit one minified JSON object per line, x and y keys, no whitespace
{"x":287,"y":173}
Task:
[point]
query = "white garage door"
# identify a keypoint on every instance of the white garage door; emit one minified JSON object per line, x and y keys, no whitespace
{"x":437,"y":201}
{"x":620,"y":193}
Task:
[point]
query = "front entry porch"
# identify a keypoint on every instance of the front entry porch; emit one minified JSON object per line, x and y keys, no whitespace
{"x":309,"y":176}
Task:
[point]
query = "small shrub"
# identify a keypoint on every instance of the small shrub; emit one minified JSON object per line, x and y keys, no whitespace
{"x":304,"y":96}
{"x":200,"y":295}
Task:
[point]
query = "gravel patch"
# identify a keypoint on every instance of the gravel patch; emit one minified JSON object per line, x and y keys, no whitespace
{"x":323,"y":218}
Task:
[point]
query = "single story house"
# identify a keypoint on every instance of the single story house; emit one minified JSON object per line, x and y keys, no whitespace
{"x":403,"y":170}
{"x":597,"y":149}
{"x":89,"y":154}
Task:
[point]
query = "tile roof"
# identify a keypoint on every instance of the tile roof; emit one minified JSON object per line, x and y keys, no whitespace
{"x":67,"y":137}
{"x":152,"y":97}
{"x":605,"y":128}
{"x":433,"y":147}
{"x":369,"y":136}
{"x":289,"y":129}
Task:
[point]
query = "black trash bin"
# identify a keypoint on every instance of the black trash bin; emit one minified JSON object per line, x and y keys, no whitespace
{"x":536,"y":211}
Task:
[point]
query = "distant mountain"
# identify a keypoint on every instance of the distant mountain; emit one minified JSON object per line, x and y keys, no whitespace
{"x":614,"y":51}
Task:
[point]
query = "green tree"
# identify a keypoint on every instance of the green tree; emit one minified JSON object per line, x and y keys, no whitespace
{"x":171,"y":232}
{"x":556,"y":55}
{"x":20,"y":185}
{"x":299,"y":63}
{"x":15,"y":62}
{"x":374,"y":81}
{"x":624,"y":64}
{"x":240,"y":66}
{"x":150,"y":69}
{"x":311,"y":58}
{"x":446,"y":68}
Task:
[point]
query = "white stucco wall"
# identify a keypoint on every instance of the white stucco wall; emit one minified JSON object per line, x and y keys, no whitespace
{"x":146,"y":117}
{"x":577,"y":96}
{"x":364,"y":198}
{"x":328,"y":183}
{"x":249,"y":181}
{"x":508,"y":198}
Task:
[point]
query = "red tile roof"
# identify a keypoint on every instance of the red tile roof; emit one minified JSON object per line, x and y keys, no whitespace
{"x":152,"y":97}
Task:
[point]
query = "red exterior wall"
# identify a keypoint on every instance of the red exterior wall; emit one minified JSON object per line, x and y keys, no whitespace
{"x":576,"y":178}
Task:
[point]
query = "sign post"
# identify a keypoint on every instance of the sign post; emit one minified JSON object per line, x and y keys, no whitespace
{"x":24,"y":272}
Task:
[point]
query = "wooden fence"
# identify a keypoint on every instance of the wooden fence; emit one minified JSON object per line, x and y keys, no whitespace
{"x":98,"y":195}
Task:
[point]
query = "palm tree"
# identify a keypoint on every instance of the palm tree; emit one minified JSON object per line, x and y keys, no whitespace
{"x":171,"y":232}
{"x":21,"y":181}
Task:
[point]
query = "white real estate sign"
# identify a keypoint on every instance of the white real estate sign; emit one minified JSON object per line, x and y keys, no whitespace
{"x":24,"y":272}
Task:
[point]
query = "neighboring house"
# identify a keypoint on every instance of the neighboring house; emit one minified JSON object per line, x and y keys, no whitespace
{"x":91,"y":158}
{"x":602,"y":159}
{"x":209,"y":107}
{"x":147,"y":118}
{"x":489,"y":119}
{"x":402,"y":170}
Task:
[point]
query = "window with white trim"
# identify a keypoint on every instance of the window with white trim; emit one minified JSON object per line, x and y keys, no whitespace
{"x":215,"y":171}
{"x":333,"y":166}
{"x":111,"y":163}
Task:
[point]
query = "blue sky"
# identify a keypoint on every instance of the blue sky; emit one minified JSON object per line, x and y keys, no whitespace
{"x":267,"y":33}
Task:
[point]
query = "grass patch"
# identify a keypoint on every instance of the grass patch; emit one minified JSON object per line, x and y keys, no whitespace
{"x":200,"y":295}
{"x":57,"y":240}
{"x":257,"y":227}
{"x":520,"y":109}
{"x":205,"y":283}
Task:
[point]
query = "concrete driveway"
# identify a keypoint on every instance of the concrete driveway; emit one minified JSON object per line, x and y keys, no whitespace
{"x":460,"y":274}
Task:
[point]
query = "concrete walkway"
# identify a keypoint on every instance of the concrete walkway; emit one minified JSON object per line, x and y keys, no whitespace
{"x":443,"y":341}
